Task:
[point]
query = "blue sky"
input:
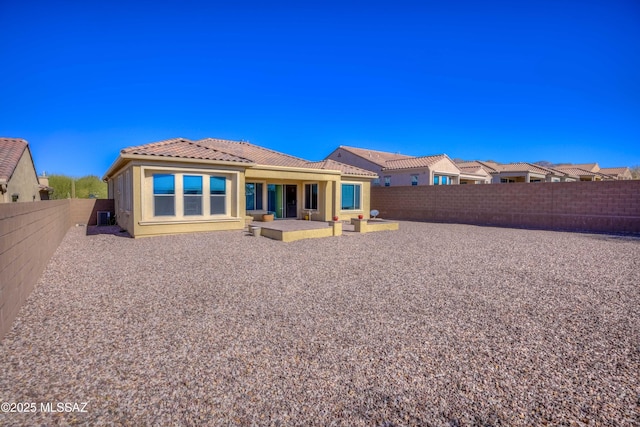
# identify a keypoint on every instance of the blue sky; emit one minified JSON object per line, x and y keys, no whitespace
{"x":507,"y":81}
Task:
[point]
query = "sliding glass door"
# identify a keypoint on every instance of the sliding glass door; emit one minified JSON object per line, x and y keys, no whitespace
{"x":282,"y":200}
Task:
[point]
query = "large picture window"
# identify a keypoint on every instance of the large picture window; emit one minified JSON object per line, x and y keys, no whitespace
{"x":192,"y":192}
{"x":311,"y":197}
{"x":164,"y":190}
{"x":253,"y":191}
{"x":351,"y":196}
{"x":218,"y":190}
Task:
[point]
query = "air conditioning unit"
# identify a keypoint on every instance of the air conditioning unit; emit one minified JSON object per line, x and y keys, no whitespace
{"x":104,"y":217}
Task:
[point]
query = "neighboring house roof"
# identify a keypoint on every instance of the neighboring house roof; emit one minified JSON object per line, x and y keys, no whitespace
{"x":473,"y":170}
{"x":487,"y":166}
{"x":589,"y":167}
{"x":342,"y":167}
{"x":183,"y":148}
{"x":521,"y":167}
{"x":380,"y":158}
{"x":614,"y":171}
{"x":582,"y":172}
{"x":11,"y":150}
{"x":414,"y":162}
{"x":620,"y":173}
{"x":558,"y":172}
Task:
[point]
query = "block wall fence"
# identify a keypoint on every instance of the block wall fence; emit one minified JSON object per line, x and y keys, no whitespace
{"x":601,"y":206}
{"x":30,"y":233}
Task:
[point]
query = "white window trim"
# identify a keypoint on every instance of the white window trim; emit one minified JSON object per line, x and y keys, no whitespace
{"x":128,"y":191}
{"x":361,"y":197}
{"x":146,"y":206}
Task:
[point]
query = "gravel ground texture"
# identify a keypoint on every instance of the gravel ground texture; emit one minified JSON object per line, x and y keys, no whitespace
{"x":432,"y":325}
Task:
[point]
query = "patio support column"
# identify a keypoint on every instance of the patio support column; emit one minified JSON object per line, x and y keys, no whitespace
{"x":336,"y":199}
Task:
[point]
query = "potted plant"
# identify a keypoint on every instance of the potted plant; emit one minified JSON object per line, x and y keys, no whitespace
{"x":267,"y":217}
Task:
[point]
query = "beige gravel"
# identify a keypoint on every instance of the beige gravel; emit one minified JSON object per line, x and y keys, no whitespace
{"x":435,"y":324}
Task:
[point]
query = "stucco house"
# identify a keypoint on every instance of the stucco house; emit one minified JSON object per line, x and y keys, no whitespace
{"x":593,"y":172}
{"x":18,"y":177}
{"x":179,"y":185}
{"x":529,"y":172}
{"x":622,"y":173}
{"x":519,"y":172}
{"x":396,"y":169}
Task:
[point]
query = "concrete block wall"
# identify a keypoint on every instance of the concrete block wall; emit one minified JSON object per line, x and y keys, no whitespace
{"x":29,"y":235}
{"x":607,"y":206}
{"x":85,"y":211}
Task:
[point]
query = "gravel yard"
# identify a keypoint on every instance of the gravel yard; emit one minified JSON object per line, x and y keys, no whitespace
{"x":435,"y":324}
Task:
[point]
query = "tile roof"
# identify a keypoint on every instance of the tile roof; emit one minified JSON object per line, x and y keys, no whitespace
{"x":615,"y":171}
{"x":236,"y":151}
{"x":342,"y":167}
{"x":11,"y":150}
{"x":255,"y":153}
{"x":183,"y":148}
{"x":487,"y":166}
{"x":414,"y":162}
{"x":473,"y":170}
{"x":590,"y":167}
{"x":583,"y":172}
{"x":522,"y":167}
{"x":380,"y":158}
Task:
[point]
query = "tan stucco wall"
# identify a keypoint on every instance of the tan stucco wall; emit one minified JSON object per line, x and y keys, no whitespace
{"x":23,"y":182}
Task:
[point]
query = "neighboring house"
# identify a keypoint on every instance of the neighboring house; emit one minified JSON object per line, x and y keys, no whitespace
{"x":371,"y":160}
{"x":519,"y":172}
{"x":588,"y":172}
{"x":593,"y":172}
{"x":623,"y":173}
{"x":474,"y":175}
{"x":179,"y":185}
{"x":529,"y":172}
{"x":425,"y":170}
{"x":401,"y":170}
{"x":18,"y":178}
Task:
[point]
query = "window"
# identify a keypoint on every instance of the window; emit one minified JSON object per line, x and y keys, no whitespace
{"x":120,"y":193}
{"x":253,"y":191}
{"x":441,"y":180}
{"x":127,"y":190}
{"x":376,"y":181}
{"x":218,"y":190}
{"x":414,"y":179}
{"x":164,"y":191}
{"x":507,"y":180}
{"x":350,"y":196}
{"x":310,"y":196}
{"x":387,"y":181}
{"x":192,"y":193}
